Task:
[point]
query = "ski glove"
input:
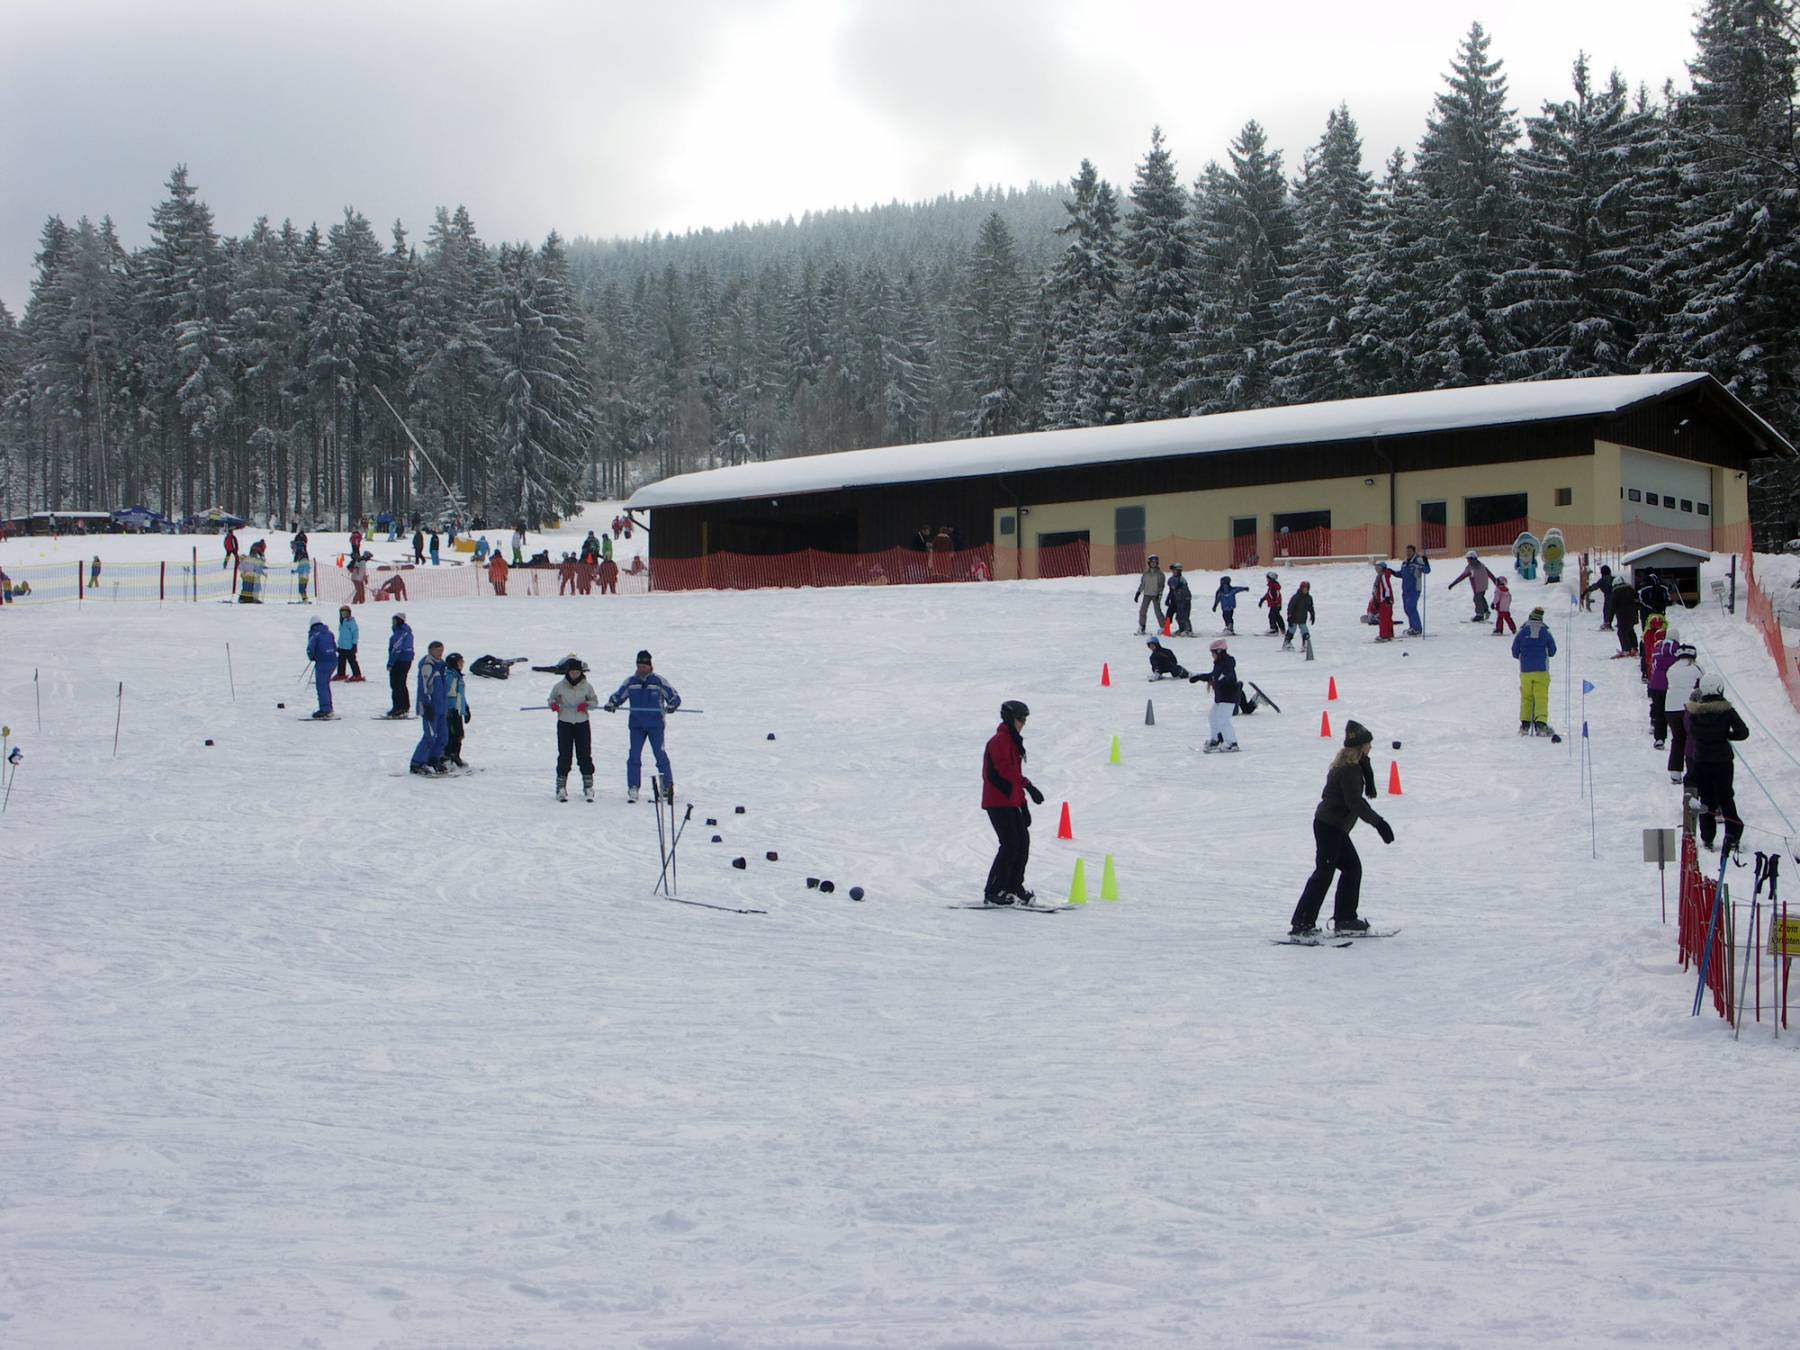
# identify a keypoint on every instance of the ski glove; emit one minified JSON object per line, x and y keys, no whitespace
{"x":468,"y":717}
{"x":612,"y":707}
{"x":1037,"y":797}
{"x":555,"y":706}
{"x":1195,"y":679}
{"x":581,"y":707}
{"x":1385,"y":830}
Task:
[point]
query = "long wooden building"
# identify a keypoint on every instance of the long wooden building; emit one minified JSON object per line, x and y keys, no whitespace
{"x":1614,"y":462}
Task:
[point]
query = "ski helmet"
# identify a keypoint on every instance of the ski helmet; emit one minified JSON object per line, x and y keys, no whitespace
{"x":1710,"y":686}
{"x":1470,"y":553}
{"x":1014,"y":711}
{"x":1153,"y":642}
{"x":1216,"y":645}
{"x":571,"y":662}
{"x":1152,"y":558}
{"x":454,"y":659}
{"x":1174,"y":567}
{"x":1270,"y":576}
{"x":1670,"y":635}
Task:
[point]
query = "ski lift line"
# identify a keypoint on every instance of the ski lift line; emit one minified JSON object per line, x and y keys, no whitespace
{"x":454,"y":501}
{"x":1769,"y":738}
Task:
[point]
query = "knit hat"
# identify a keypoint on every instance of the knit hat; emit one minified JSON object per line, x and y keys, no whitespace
{"x":1537,"y":612}
{"x":571,"y":662}
{"x":644,"y":659}
{"x":1216,"y":645}
{"x":1355,"y":734}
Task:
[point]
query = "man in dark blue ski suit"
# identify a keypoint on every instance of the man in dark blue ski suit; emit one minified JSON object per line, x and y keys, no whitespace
{"x":1412,"y":581}
{"x":322,"y":648}
{"x":650,"y":697}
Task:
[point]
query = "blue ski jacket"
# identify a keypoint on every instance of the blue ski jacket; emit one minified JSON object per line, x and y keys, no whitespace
{"x":1226,"y":596}
{"x":430,"y":687}
{"x":400,"y":646}
{"x":319,"y":645}
{"x":1534,"y":645}
{"x":648,"y":696}
{"x":1412,"y":575}
{"x":455,"y":697}
{"x":347,"y":635}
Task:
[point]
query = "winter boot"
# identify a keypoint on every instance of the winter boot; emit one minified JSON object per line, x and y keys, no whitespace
{"x":587,"y":786}
{"x":1350,"y":925}
{"x":1003,"y":898}
{"x":631,"y":794}
{"x":424,"y":770}
{"x":562,"y":787}
{"x":669,"y":792}
{"x":1540,"y":728}
{"x":1304,"y":930}
{"x":1524,"y":728}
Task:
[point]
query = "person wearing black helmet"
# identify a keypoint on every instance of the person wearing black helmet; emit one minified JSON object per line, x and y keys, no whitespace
{"x":1004,"y":788}
{"x":1341,"y":805}
{"x":1181,"y":602}
{"x":1712,"y":725}
{"x":456,"y":699}
{"x":571,"y":699}
{"x":1162,"y":661}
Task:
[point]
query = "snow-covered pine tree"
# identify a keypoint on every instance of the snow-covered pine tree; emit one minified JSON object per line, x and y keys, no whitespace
{"x":1157,"y":303}
{"x":993,"y":333}
{"x":1388,"y":279}
{"x":1573,"y":304}
{"x":1468,"y":210}
{"x":451,"y":370}
{"x":1333,"y":209}
{"x":42,"y":402}
{"x":265,"y":320}
{"x":1243,"y":235}
{"x":1085,"y":279}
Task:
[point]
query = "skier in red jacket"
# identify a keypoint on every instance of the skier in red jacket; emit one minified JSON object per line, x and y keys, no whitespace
{"x":1004,"y":788}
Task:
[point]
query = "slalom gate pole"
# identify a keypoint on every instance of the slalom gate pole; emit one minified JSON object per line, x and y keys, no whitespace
{"x":38,"y":694}
{"x":228,"y":672}
{"x":662,"y":848}
{"x":9,"y":787}
{"x":119,"y":720}
{"x":1712,"y":928}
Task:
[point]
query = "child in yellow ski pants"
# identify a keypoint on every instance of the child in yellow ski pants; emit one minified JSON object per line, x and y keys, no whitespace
{"x":1534,"y":696}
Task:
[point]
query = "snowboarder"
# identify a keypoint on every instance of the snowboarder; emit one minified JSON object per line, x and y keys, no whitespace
{"x":303,"y":574}
{"x":1004,"y":788}
{"x":1476,"y":573}
{"x":1712,"y":724}
{"x":1272,"y":598}
{"x":1225,"y":601}
{"x":456,"y":702}
{"x":1226,"y":691}
{"x":1300,"y":618}
{"x":1605,"y":586}
{"x":252,"y":568}
{"x":399,"y":662}
{"x":1412,"y":584}
{"x":651,"y":698}
{"x":1381,"y":600}
{"x":1503,"y":619}
{"x":572,"y":699}
{"x":1533,"y":646}
{"x":1180,"y":602}
{"x":1162,"y":661}
{"x":481,"y":549}
{"x":1625,"y":617}
{"x":1149,"y":592}
{"x":322,"y":651}
{"x":348,"y":669}
{"x":434,"y":720}
{"x":1341,"y":805}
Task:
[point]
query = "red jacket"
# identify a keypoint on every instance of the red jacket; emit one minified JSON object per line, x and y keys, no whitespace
{"x":1001,"y":763}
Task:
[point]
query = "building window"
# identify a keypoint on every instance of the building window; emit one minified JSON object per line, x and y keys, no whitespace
{"x":1635,"y":495}
{"x":1565,"y":496}
{"x":1669,"y":502}
{"x":1128,"y":526}
{"x":1302,"y":534}
{"x":1008,"y":524}
{"x":1703,"y":508}
{"x":1686,"y":505}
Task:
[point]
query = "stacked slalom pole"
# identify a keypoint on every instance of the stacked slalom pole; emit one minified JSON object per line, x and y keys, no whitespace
{"x":668,"y":835}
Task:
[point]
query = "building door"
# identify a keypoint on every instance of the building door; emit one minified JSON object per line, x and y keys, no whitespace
{"x":1128,"y":540}
{"x":1243,"y":541}
{"x":1434,"y":526}
{"x":1063,"y":554}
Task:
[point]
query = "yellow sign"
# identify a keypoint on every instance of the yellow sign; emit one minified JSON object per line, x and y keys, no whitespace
{"x":1784,"y":937}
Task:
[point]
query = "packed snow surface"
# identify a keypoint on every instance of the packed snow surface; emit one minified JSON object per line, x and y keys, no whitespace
{"x":300,"y":1052}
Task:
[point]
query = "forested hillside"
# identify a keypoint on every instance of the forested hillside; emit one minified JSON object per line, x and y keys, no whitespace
{"x":1619,"y":229}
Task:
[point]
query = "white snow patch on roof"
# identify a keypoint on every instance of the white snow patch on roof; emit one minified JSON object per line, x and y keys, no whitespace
{"x":1304,"y":424}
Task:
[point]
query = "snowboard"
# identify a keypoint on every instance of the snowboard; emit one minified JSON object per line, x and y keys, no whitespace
{"x":332,"y":718}
{"x":1264,"y":697}
{"x":1333,"y":934}
{"x":454,"y":773}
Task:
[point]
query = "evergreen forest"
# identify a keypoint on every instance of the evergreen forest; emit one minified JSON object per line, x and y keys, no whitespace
{"x":1618,"y":230}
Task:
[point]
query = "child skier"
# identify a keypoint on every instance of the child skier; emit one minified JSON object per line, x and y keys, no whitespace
{"x":1004,"y":788}
{"x":651,"y":697}
{"x":1162,"y":662}
{"x":1684,"y":677}
{"x":1654,"y":628}
{"x":1300,"y":618}
{"x":1381,"y":601}
{"x":1712,"y":724}
{"x":323,"y":652}
{"x":1503,"y":619}
{"x":1533,"y":646}
{"x":571,"y":699}
{"x":1181,"y":602}
{"x":456,"y":702}
{"x":1225,"y":601}
{"x":348,"y":670}
{"x":1226,"y":692}
{"x":1476,"y":573}
{"x":1662,"y":661}
{"x":1149,"y":592}
{"x":434,"y":714}
{"x":1340,"y":806}
{"x":1272,"y":598}
{"x":1412,"y":584}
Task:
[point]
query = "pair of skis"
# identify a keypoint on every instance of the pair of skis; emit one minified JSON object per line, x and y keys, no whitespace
{"x":1333,"y":938}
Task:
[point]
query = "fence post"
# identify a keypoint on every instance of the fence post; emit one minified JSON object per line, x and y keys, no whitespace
{"x":162,"y":581}
{"x":80,"y":590}
{"x":194,"y":571}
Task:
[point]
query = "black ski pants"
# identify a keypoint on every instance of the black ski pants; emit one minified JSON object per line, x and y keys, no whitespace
{"x":1628,"y":642}
{"x":1012,"y":825}
{"x":1659,"y":714}
{"x":1712,"y":784}
{"x":347,"y":665}
{"x":453,"y":749}
{"x":1333,"y":853}
{"x":574,"y":741}
{"x":1677,"y":742}
{"x":1275,"y":623}
{"x":397,"y":673}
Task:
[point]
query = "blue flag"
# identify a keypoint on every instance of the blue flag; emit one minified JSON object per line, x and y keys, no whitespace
{"x":1587,"y":686}
{"x":1584,"y":734}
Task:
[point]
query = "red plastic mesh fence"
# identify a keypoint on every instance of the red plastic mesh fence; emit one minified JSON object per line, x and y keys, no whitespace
{"x":1694,"y":914}
{"x":1759,"y":610}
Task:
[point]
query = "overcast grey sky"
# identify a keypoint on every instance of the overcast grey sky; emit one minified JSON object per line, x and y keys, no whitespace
{"x":610,"y":118}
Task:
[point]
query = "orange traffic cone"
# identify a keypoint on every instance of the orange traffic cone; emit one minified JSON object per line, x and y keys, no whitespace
{"x":1166,"y":623}
{"x":1331,"y":693}
{"x":1325,"y":725}
{"x":1105,"y":676}
{"x":1063,"y":831}
{"x":1394,"y":778}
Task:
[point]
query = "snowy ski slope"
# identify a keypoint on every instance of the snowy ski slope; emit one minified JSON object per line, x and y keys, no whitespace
{"x":299,"y":1053}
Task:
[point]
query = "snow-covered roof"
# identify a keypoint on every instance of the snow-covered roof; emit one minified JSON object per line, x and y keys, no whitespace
{"x":1352,"y":419}
{"x":1651,"y":550}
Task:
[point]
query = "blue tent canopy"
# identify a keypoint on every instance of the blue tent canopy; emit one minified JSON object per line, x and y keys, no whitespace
{"x":139,"y":518}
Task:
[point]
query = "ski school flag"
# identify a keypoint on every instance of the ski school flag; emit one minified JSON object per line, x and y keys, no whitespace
{"x":1584,"y":734}
{"x":1587,"y":686}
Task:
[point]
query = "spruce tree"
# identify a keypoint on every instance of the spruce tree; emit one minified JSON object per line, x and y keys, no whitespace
{"x":1083,"y":283}
{"x":1157,"y":304}
{"x":993,"y":334}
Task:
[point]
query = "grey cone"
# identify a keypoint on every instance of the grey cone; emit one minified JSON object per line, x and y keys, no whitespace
{"x":1149,"y":712}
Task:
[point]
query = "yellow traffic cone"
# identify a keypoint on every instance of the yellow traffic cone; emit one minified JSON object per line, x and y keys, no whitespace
{"x":1114,"y":757}
{"x":1109,"y":884}
{"x":1078,"y":884}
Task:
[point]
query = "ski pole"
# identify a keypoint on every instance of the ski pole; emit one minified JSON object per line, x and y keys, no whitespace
{"x":303,"y":671}
{"x":12,"y":759}
{"x":228,"y":672}
{"x":39,"y":695}
{"x":661,"y":846}
{"x":119,"y":720}
{"x":669,"y":860}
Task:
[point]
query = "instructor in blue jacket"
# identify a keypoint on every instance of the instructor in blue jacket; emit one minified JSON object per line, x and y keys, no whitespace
{"x":650,"y":697}
{"x":1412,"y":581}
{"x":321,"y":647}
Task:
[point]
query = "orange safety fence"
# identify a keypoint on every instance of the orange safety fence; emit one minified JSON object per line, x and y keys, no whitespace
{"x":1759,"y":611}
